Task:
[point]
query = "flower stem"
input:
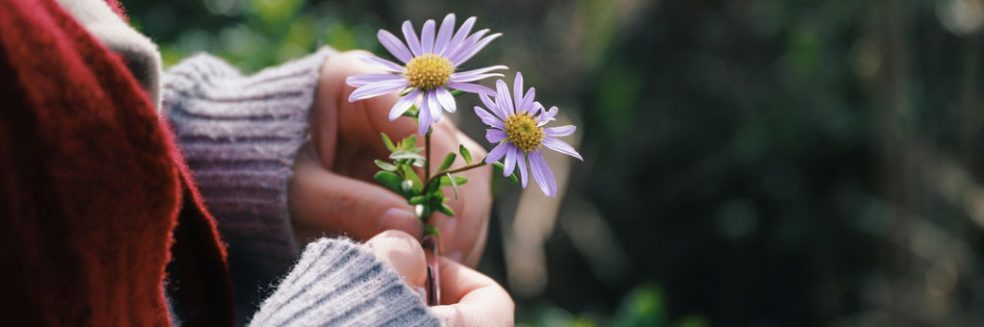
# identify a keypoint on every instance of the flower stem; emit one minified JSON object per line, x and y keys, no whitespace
{"x":453,"y":171}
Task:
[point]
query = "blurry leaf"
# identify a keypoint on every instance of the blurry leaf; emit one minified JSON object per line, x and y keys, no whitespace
{"x":419,"y":199}
{"x":465,"y":154}
{"x":385,"y":165}
{"x":432,"y":230}
{"x":498,"y":168}
{"x":643,"y":306}
{"x":389,"y":180}
{"x":448,"y":161}
{"x":445,"y":209}
{"x":388,"y":142}
{"x":413,"y":178}
{"x":406,"y":155}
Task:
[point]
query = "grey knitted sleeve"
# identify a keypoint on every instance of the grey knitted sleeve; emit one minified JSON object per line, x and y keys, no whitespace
{"x":338,"y":283}
{"x":239,"y":135}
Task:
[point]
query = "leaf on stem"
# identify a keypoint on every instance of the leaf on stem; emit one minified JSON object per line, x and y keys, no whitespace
{"x":498,"y":167}
{"x":465,"y":154}
{"x":387,"y":142}
{"x":385,"y":165}
{"x":389,"y":180}
{"x":448,"y":161}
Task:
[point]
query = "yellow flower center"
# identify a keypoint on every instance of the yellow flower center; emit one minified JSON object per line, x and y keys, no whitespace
{"x":521,"y":131}
{"x":428,"y":71}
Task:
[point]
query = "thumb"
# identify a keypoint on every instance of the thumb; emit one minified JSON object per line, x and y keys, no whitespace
{"x":325,"y":201}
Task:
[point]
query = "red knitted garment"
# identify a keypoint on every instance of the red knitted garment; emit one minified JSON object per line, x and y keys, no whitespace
{"x":96,"y":204}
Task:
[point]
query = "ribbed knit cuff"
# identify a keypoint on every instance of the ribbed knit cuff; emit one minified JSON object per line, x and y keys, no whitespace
{"x":239,"y":135}
{"x":339,"y":283}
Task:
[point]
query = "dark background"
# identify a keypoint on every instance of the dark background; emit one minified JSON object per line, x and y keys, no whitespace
{"x":747,"y":162}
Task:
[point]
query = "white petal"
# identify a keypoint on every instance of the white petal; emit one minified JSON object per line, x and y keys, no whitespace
{"x":444,"y":34}
{"x":503,"y":99}
{"x":498,"y":152}
{"x":526,"y":104}
{"x":560,"y":130}
{"x":382,"y":63}
{"x":375,"y":89}
{"x":403,"y":104}
{"x":446,"y":99}
{"x":561,"y":146}
{"x":427,"y":36}
{"x":424,"y":117}
{"x":412,"y":39}
{"x":363,"y":79}
{"x":495,"y":135}
{"x":460,"y":36}
{"x":435,"y":107}
{"x":465,"y":55}
{"x":522,"y":170}
{"x":518,"y":90}
{"x":471,"y":88}
{"x":492,"y":106}
{"x":510,"y":163}
{"x":488,"y":119}
{"x":394,"y":45}
{"x":541,"y":172}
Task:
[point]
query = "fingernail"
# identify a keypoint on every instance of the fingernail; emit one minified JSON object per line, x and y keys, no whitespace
{"x":400,"y":219}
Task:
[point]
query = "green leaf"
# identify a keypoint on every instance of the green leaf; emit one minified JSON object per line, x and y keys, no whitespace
{"x":457,"y":92}
{"x":406,"y":155}
{"x":409,"y":143}
{"x":389,"y":180}
{"x":388,"y":142}
{"x":498,"y":168}
{"x":448,"y":161}
{"x":411,"y":176}
{"x":419,"y":199}
{"x":458,"y":180}
{"x":385,"y":165}
{"x":443,"y":208}
{"x":465,"y":154}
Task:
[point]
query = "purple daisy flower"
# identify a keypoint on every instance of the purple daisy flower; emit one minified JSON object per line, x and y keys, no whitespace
{"x":430,"y":68}
{"x":517,"y":126}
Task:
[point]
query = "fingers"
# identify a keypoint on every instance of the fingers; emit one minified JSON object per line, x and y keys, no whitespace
{"x":472,"y":299}
{"x":403,"y":253}
{"x":336,"y":121}
{"x":325,"y":201}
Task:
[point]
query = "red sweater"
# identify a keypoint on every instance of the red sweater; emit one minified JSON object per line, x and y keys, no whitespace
{"x":97,"y":208}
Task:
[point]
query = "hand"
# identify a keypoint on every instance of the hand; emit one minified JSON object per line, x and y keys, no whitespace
{"x":333,"y":191}
{"x":469,"y":298}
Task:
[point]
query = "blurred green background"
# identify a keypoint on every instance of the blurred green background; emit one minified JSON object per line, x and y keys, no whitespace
{"x":747,"y":162}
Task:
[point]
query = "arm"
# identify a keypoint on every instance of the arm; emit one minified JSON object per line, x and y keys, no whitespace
{"x":240,"y":135}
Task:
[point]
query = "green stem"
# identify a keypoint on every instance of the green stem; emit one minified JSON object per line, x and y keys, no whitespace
{"x":452,"y":171}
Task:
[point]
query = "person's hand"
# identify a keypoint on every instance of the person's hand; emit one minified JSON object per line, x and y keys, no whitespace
{"x":468,"y":297}
{"x":332,"y":190}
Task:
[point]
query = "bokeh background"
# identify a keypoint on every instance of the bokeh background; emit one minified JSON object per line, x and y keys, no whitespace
{"x":747,"y":162}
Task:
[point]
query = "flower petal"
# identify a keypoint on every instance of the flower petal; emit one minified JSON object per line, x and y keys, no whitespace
{"x":560,"y":130}
{"x":412,"y":39}
{"x":518,"y":90}
{"x":472,"y":78}
{"x":503,"y":99}
{"x":427,"y":36}
{"x":460,"y":36}
{"x":382,"y":63}
{"x":434,"y":105}
{"x":526,"y":104}
{"x":466,"y":45}
{"x":403,"y":104}
{"x":363,"y":79}
{"x":446,"y":99}
{"x":541,"y":172}
{"x":522,"y":170}
{"x":465,"y":55}
{"x":444,"y":34}
{"x":394,"y":45}
{"x":424,"y":116}
{"x":375,"y":89}
{"x":495,"y":135}
{"x":498,"y":152}
{"x":471,"y":88}
{"x":478,"y":71}
{"x":560,"y":146}
{"x":488,"y":119}
{"x":492,"y":106}
{"x":510,"y":163}
{"x":547,"y":115}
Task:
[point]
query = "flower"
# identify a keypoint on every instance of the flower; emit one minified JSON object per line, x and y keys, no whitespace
{"x":516,"y":124}
{"x":430,"y":69}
